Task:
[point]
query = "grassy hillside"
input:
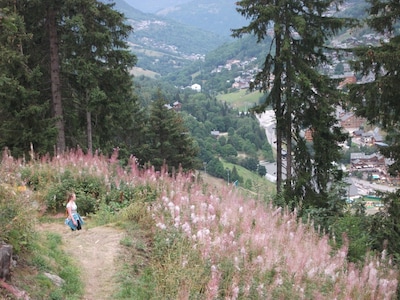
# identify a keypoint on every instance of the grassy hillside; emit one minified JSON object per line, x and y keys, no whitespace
{"x":142,"y":72}
{"x":241,"y":99}
{"x":198,"y":241}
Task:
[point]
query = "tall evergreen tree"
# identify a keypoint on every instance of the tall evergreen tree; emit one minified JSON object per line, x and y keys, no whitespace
{"x":81,"y":63}
{"x":168,"y":140}
{"x":24,"y":116}
{"x":296,"y":90}
{"x":42,"y":19}
{"x":97,"y":65}
{"x":52,"y":10}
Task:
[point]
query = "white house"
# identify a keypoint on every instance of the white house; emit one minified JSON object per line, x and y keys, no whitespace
{"x":196,"y":87}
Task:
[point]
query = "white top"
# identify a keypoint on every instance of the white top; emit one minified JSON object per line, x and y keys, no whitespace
{"x":74,"y":207}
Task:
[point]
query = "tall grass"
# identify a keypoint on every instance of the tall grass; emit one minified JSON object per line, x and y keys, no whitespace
{"x":215,"y":243}
{"x":254,"y":250}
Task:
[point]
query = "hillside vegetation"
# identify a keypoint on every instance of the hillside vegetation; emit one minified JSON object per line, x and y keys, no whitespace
{"x":201,"y":241}
{"x":163,"y":44}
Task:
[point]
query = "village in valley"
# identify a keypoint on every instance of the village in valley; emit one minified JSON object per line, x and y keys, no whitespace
{"x":367,"y":172}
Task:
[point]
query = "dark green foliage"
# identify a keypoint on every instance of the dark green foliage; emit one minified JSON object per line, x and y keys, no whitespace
{"x":87,"y":188}
{"x":228,"y":150}
{"x":351,"y":229}
{"x":250,"y":163}
{"x":98,"y":76}
{"x":384,"y":226}
{"x":375,"y":100}
{"x":234,"y":176}
{"x":261,"y":170}
{"x":167,"y":140}
{"x":216,"y":168}
{"x":301,"y":97}
{"x":24,"y":115}
{"x":95,"y":102}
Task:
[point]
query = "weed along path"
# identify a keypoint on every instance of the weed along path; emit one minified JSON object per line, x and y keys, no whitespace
{"x":94,"y":250}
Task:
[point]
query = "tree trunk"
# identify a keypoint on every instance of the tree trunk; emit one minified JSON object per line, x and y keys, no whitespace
{"x":279,"y":116}
{"x":279,"y":157}
{"x":288,"y":135}
{"x":55,"y":79}
{"x":89,"y":131}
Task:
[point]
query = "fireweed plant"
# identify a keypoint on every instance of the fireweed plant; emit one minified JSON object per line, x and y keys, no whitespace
{"x":214,"y":243}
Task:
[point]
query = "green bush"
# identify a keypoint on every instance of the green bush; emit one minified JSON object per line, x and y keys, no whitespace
{"x":353,"y":228}
{"x":16,"y":218}
{"x":126,"y":202}
{"x":38,"y":178}
{"x":126,"y":194}
{"x":88,"y":190}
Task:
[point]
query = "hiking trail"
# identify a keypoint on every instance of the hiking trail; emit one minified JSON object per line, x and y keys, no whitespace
{"x":94,"y":251}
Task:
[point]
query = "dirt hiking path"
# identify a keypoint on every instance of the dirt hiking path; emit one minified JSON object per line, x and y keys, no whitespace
{"x":94,"y":250}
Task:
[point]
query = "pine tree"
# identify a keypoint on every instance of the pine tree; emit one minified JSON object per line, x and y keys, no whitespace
{"x":41,"y":21}
{"x":97,"y":65}
{"x":168,"y":141}
{"x":23,"y":115}
{"x":76,"y":51}
{"x":295,"y":88}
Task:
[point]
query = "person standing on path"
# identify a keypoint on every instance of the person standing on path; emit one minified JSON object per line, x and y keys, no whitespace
{"x":74,"y":220}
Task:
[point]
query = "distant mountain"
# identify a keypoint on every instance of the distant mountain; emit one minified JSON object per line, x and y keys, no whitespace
{"x":218,"y":16}
{"x":162,"y":44}
{"x":153,"y":6}
{"x":184,"y":31}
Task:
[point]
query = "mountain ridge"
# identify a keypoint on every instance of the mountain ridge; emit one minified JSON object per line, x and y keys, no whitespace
{"x":153,"y":6}
{"x":163,"y":44}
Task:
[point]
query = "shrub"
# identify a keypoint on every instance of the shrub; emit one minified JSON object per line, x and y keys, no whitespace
{"x":88,"y":189}
{"x":17,"y":217}
{"x":38,"y":178}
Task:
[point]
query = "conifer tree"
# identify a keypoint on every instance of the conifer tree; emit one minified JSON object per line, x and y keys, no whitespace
{"x":23,"y":115}
{"x":81,"y":64}
{"x":41,"y":21}
{"x":167,"y":139}
{"x":97,"y":65}
{"x":301,"y":97}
